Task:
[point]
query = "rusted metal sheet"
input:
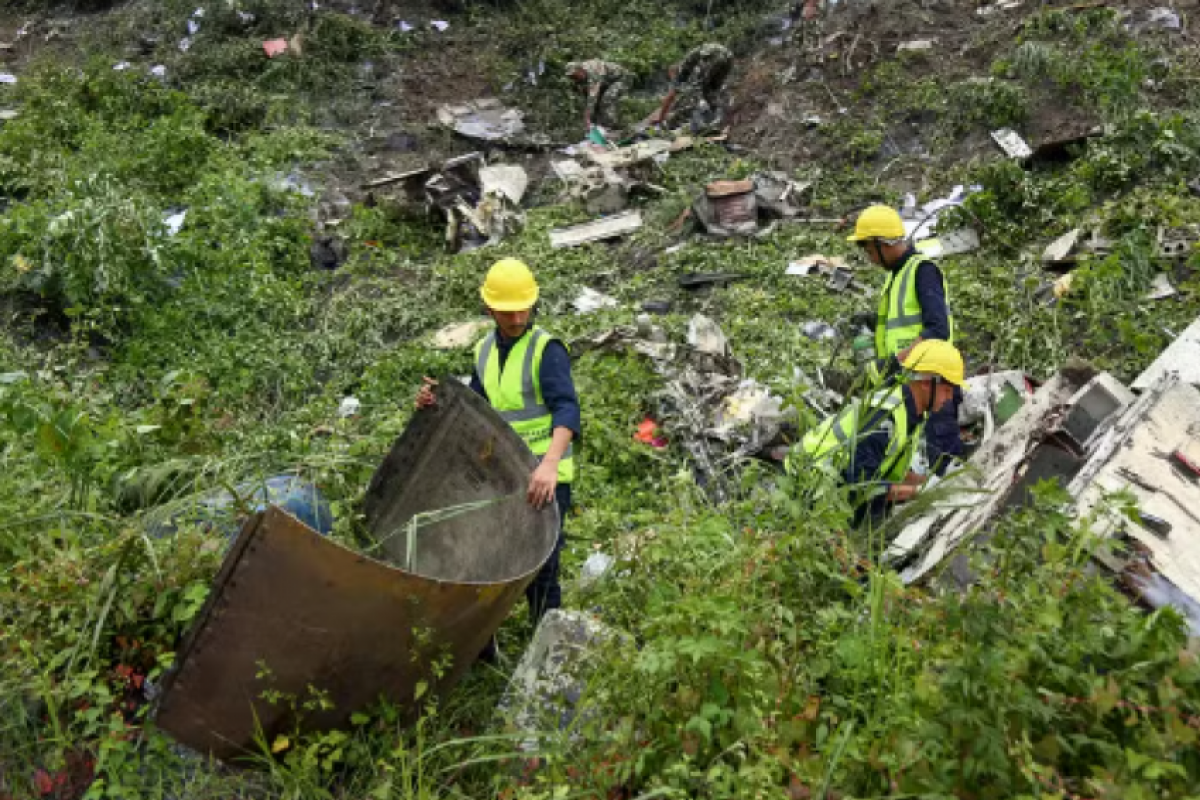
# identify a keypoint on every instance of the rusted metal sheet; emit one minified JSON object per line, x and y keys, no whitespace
{"x":317,"y":614}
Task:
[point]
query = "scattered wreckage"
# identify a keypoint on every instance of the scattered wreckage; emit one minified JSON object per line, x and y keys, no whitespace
{"x":1097,"y":438}
{"x":293,"y":612}
{"x":480,"y":203}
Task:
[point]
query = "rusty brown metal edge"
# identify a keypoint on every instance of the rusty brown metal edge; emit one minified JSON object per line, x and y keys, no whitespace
{"x":197,"y":626}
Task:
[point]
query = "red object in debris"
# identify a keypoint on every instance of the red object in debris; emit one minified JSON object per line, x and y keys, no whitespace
{"x":647,"y":433}
{"x":1185,"y":465}
{"x":275,"y":47}
{"x":43,"y":783}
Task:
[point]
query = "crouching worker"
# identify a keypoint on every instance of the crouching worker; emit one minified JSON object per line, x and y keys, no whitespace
{"x":872,"y":444}
{"x":525,"y":374}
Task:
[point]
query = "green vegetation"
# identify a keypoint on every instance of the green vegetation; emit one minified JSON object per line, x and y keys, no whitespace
{"x":773,"y":656}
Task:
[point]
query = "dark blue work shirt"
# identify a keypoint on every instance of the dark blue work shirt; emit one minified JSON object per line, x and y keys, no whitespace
{"x":558,"y":389}
{"x":931,"y":293}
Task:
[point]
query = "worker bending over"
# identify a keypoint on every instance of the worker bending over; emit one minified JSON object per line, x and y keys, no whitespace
{"x":872,"y":443}
{"x":696,"y":84}
{"x":913,"y":307}
{"x":525,"y":374}
{"x":604,"y":83}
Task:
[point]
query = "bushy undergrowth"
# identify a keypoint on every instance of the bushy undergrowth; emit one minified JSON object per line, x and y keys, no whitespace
{"x":767,"y":653}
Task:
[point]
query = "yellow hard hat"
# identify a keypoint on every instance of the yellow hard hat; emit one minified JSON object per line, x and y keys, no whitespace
{"x":935,"y":357}
{"x":878,"y":222}
{"x":509,"y":286}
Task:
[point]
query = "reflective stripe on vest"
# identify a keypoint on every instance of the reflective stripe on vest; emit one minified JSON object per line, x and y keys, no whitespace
{"x":838,"y":436}
{"x":898,"y":322}
{"x":515,"y":392}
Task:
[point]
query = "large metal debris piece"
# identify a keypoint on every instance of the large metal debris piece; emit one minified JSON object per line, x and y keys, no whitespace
{"x":485,"y":119}
{"x":307,"y":613}
{"x":994,"y":469}
{"x":548,"y":686}
{"x":1096,"y":441}
{"x":597,"y":231}
{"x":1182,"y":358}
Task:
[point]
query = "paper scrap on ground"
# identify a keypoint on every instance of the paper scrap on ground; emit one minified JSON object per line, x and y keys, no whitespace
{"x":590,"y":300}
{"x":460,"y":334}
{"x":174,"y":222}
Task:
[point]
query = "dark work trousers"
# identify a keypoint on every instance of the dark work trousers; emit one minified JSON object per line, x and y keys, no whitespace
{"x":545,"y":592}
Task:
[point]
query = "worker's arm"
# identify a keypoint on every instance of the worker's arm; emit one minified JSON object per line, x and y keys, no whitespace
{"x":665,"y":108}
{"x":544,"y":480}
{"x":593,"y":98}
{"x":558,"y":392}
{"x":931,"y":293}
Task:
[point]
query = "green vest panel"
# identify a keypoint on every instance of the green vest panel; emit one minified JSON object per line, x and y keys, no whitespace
{"x":516,"y":392}
{"x":837,"y":437}
{"x":899,"y":317}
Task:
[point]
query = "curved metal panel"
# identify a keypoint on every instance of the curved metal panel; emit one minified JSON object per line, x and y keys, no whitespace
{"x":320,"y":616}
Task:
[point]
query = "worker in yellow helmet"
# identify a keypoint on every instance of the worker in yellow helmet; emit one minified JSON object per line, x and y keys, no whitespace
{"x":525,"y":373}
{"x":871,"y":443}
{"x":913,"y":307}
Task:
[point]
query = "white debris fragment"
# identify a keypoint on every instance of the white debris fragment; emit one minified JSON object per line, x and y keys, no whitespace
{"x":460,"y":334}
{"x":1062,"y":247}
{"x":1164,"y":19}
{"x":121,"y":66}
{"x":599,"y":230}
{"x":953,"y":243}
{"x":349,"y":408}
{"x":174,"y":222}
{"x":1011,"y":143}
{"x":199,"y":13}
{"x":185,"y":44}
{"x":1004,"y":5}
{"x":595,"y":567}
{"x":159,"y":71}
{"x":1161,"y":288}
{"x":193,"y":27}
{"x":916,"y":46}
{"x":589,"y":300}
{"x":406,"y":26}
{"x":440,"y":24}
{"x":706,"y":336}
{"x":7,"y":77}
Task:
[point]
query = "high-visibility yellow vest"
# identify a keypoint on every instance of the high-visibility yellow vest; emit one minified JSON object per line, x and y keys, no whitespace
{"x":899,"y":318}
{"x":836,"y":439}
{"x":516,"y":392}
